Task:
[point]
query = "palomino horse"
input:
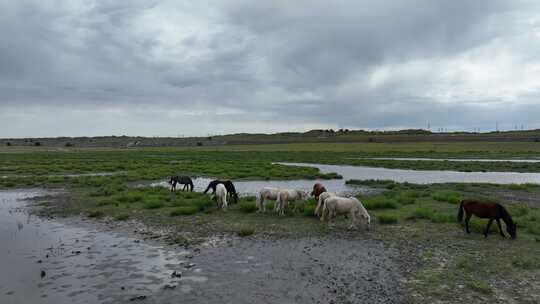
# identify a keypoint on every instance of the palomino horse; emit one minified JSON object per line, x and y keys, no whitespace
{"x":489,"y":211}
{"x":221,"y":196}
{"x":318,"y":188}
{"x":266,"y":193}
{"x":231,"y":190}
{"x":182,"y":180}
{"x":285,"y":196}
{"x":320,"y":203}
{"x":345,"y":205}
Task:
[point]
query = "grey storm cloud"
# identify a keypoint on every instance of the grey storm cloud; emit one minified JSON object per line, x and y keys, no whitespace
{"x":206,"y":67}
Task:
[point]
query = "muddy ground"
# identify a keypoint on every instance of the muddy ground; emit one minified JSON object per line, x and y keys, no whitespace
{"x":81,"y":260}
{"x":88,"y":260}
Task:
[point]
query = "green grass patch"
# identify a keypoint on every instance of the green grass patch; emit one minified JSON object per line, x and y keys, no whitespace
{"x":121,"y":217}
{"x":387,"y":219}
{"x":449,"y":196}
{"x":153,"y":205}
{"x":185,"y":210}
{"x":378,"y":202}
{"x":247,"y":207}
{"x":246,"y":230}
{"x":96,"y":213}
{"x":480,"y":286}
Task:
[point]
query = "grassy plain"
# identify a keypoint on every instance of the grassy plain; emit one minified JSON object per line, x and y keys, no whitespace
{"x":417,"y":219}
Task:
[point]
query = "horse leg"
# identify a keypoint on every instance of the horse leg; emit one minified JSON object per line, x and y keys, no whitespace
{"x":487,"y":228}
{"x":353,"y":220}
{"x":467,"y":219}
{"x":500,"y":228}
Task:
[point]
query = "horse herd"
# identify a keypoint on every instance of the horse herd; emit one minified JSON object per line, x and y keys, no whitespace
{"x":329,"y":204}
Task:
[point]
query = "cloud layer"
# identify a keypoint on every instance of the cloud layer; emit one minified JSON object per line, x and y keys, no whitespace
{"x":171,"y":67}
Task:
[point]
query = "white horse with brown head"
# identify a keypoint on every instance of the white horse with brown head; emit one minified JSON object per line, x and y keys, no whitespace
{"x":320,"y":203}
{"x":345,"y":205}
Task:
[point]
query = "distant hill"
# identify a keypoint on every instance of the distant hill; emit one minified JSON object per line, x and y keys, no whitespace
{"x":312,"y":136}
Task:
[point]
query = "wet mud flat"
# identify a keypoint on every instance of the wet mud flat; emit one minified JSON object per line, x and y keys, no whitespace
{"x":305,"y":270}
{"x":48,"y":260}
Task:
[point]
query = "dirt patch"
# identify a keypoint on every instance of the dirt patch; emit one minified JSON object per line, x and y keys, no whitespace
{"x":341,"y":267}
{"x":304,"y":270}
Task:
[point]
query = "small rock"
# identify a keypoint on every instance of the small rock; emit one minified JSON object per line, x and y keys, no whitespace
{"x":137,"y":298}
{"x":176,"y":274}
{"x":122,"y":287}
{"x":167,"y":286}
{"x":39,"y":261}
{"x":43,"y":274}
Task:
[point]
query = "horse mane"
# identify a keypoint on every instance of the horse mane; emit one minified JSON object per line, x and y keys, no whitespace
{"x":505,"y":215}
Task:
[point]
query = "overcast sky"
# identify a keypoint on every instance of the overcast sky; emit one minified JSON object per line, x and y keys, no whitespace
{"x":168,"y":68}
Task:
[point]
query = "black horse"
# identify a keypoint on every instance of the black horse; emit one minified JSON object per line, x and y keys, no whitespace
{"x":231,"y":190}
{"x":183,"y":180}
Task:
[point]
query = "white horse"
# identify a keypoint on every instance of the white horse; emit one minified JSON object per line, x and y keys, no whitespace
{"x":288,"y":195}
{"x":221,"y":196}
{"x":345,"y":205}
{"x":267,"y":193}
{"x":320,"y":204}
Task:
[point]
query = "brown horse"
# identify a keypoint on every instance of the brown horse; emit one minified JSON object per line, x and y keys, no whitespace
{"x":489,"y":211}
{"x":318,"y":188}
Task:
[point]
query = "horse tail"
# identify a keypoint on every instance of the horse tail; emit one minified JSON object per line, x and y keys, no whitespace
{"x":460,"y":212}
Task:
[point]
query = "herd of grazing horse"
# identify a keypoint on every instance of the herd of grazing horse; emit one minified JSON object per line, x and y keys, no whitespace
{"x":329,"y":204}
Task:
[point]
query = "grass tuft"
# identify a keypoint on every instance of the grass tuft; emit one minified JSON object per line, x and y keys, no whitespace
{"x":184,"y":210}
{"x":387,"y":219}
{"x":246,"y":231}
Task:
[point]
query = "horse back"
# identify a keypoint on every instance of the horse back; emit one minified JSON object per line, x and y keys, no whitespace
{"x":482,"y":209}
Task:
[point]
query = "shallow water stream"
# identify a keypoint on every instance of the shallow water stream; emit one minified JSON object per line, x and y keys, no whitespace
{"x":424,"y":176}
{"x":45,"y":261}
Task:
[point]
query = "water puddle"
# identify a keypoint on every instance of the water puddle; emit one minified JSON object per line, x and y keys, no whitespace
{"x":424,"y":176}
{"x":45,"y":261}
{"x":247,"y":188}
{"x":251,"y":188}
{"x":451,"y":159}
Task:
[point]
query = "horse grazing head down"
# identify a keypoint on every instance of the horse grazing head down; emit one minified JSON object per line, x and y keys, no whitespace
{"x":511,"y":227}
{"x":512,"y":230}
{"x":172,"y":179}
{"x":318,"y":188}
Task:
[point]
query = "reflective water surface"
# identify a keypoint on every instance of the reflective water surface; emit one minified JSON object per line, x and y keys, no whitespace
{"x":44,"y":261}
{"x":425,"y":176}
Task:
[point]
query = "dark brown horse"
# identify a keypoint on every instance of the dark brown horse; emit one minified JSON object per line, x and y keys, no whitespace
{"x":318,"y":188}
{"x":489,"y":211}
